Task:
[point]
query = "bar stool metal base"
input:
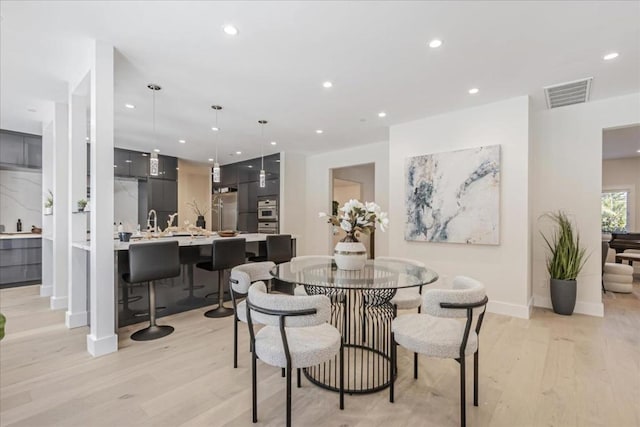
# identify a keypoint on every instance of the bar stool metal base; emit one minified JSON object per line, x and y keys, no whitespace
{"x":152,"y":333}
{"x":220,"y":311}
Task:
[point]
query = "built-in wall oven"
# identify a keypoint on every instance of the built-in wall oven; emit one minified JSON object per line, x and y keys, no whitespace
{"x":268,"y":216}
{"x":268,"y":210}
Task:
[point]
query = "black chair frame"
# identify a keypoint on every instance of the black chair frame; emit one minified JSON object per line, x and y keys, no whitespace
{"x":282,"y":315}
{"x":461,"y":359}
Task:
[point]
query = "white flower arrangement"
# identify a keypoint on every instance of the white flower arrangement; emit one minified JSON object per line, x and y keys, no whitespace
{"x":356,"y":216}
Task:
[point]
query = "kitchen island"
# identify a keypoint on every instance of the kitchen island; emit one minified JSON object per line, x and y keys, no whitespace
{"x":20,"y":259}
{"x":178,"y":294}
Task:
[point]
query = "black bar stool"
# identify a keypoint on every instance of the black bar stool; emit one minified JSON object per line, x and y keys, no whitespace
{"x":149,"y":262}
{"x":278,"y":249}
{"x":190,"y":256}
{"x":225,"y":254}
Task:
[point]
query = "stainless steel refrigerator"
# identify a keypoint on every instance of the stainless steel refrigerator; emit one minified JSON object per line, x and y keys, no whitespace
{"x":225,"y":211}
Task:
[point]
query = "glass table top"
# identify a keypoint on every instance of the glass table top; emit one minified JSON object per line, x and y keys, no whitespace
{"x":376,"y":274}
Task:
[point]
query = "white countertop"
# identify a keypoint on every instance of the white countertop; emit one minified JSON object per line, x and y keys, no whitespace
{"x":23,"y":235}
{"x":182,"y":241}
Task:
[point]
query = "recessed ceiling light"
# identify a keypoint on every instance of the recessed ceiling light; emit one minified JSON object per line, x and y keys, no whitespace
{"x":130,"y":106}
{"x":87,"y":139}
{"x":215,"y":129}
{"x":249,"y":166}
{"x":128,"y":161}
{"x":638,"y":151}
{"x":211,"y":160}
{"x":382,"y":114}
{"x":319,"y":131}
{"x":474,"y":90}
{"x":238,"y":152}
{"x":327,"y":85}
{"x":435,"y":43}
{"x":156,"y":150}
{"x":115,"y":166}
{"x":182,"y":141}
{"x":274,"y":143}
{"x":230,"y":30}
{"x":610,"y":56}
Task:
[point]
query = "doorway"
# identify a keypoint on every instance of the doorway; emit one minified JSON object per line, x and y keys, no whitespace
{"x":620,"y":204}
{"x":353,"y":182}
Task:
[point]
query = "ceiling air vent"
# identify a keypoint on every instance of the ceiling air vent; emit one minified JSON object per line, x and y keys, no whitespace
{"x":570,"y":93}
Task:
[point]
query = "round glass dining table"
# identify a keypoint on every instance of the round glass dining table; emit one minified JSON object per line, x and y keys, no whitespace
{"x":361,"y":309}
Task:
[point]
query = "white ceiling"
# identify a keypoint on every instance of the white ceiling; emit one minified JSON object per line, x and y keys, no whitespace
{"x":375,"y":53}
{"x":621,"y":142}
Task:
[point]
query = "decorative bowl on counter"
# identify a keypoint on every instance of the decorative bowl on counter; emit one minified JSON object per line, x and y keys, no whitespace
{"x":227,"y":233}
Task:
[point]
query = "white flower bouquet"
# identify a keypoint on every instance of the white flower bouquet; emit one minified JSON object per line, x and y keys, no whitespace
{"x":356,"y":216}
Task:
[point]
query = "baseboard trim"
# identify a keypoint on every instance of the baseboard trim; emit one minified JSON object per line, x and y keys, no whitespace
{"x":76,"y":320}
{"x":58,"y":303}
{"x":46,"y":291}
{"x":508,"y":309}
{"x":101,"y":346}
{"x":589,"y":308}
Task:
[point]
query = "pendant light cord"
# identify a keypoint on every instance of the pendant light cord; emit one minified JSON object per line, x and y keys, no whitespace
{"x":154,"y":116}
{"x":217,"y":136}
{"x":262,"y":146}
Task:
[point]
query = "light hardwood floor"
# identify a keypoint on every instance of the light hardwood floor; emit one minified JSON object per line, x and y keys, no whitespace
{"x":550,"y":370}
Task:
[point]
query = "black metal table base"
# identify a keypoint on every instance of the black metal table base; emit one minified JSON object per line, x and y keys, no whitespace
{"x":364,"y":317}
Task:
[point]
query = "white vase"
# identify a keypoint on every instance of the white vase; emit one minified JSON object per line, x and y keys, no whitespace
{"x":350,"y":254}
{"x":48,"y":211}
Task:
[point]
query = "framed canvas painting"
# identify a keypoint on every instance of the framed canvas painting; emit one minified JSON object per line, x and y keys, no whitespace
{"x":454,"y":197}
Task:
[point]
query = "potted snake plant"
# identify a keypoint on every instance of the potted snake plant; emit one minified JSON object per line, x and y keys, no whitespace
{"x":566,"y":258}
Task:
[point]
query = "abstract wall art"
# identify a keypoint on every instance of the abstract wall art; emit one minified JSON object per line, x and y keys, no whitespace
{"x":454,"y":197}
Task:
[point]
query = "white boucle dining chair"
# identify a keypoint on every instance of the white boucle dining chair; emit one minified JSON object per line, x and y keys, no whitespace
{"x":242,"y":276}
{"x":296,"y":335}
{"x":437,"y":332}
{"x":406,"y":298}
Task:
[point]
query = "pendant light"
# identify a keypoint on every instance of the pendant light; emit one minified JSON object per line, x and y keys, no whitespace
{"x":216,"y":165}
{"x":263,"y":176}
{"x":153,"y":159}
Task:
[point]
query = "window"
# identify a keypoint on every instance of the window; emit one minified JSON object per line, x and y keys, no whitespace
{"x":615,"y":211}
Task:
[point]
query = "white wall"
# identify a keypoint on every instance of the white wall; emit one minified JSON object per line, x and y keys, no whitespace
{"x":318,"y":237}
{"x":293,"y":193}
{"x":624,"y":174}
{"x":504,"y":269}
{"x":567,"y":175}
{"x":20,"y":198}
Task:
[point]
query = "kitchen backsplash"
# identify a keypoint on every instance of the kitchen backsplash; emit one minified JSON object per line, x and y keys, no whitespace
{"x":21,"y":197}
{"x":125,"y":203}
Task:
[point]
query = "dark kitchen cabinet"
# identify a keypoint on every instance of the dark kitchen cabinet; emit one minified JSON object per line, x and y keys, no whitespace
{"x":248,"y":222}
{"x":33,"y":151}
{"x":271,"y":188}
{"x":163,"y":195}
{"x":168,"y":167}
{"x":248,"y":197}
{"x":139,"y":166}
{"x":229,"y":176}
{"x":121,"y":162}
{"x":12,"y":148}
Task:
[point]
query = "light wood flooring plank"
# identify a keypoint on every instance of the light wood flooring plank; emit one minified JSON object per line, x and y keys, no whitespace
{"x":550,"y":370}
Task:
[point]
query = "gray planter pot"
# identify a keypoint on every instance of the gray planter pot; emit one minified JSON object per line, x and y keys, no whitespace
{"x":563,"y":296}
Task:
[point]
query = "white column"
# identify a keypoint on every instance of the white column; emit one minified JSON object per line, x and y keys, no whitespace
{"x":46,"y":289}
{"x":76,"y":314}
{"x":102,"y":338}
{"x":61,"y":205}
